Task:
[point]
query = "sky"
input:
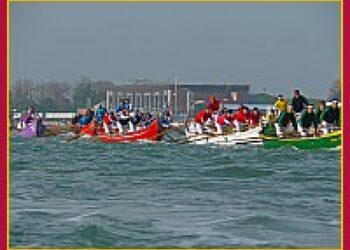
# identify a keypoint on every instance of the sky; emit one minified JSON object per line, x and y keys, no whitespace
{"x":275,"y":47}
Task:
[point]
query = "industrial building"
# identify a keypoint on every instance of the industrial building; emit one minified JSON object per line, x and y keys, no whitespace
{"x":180,"y":96}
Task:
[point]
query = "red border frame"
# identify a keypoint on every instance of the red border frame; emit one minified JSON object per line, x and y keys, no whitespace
{"x":346,"y":126}
{"x":3,"y":126}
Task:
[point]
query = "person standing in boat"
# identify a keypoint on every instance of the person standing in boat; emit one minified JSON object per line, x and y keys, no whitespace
{"x":299,"y":102}
{"x":100,"y":113}
{"x":242,"y":118}
{"x":331,"y":117}
{"x":124,"y":105}
{"x":214,"y":104}
{"x":285,"y":121}
{"x":281,"y":104}
{"x":307,"y":120}
{"x":201,"y":118}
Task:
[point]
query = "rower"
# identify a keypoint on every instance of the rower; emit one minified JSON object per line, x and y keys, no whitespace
{"x":331,"y":117}
{"x":124,"y":118}
{"x":320,"y":111}
{"x":241,"y":118}
{"x":223,"y":119}
{"x":84,"y":120}
{"x":166,"y":117}
{"x":107,"y":122}
{"x":299,"y":101}
{"x":255,"y":117}
{"x":284,"y":122}
{"x":201,"y":118}
{"x":307,"y":119}
{"x":280,"y":104}
{"x":269,"y":128}
{"x":136,"y":118}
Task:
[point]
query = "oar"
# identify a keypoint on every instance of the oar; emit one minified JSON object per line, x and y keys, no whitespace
{"x":74,"y":137}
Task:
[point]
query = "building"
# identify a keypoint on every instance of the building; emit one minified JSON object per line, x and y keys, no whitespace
{"x":181,"y":96}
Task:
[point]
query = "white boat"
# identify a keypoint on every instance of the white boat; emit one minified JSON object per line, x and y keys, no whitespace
{"x":251,"y":136}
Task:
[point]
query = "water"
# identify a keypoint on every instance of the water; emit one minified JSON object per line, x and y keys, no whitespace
{"x":86,"y":193}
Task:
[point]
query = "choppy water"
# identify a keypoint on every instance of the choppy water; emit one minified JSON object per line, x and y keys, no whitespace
{"x":91,"y":194}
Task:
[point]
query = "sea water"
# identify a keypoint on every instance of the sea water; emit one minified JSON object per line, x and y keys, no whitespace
{"x":87,"y":193}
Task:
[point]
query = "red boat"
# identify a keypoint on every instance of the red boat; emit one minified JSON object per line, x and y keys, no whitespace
{"x":149,"y":133}
{"x":91,"y":130}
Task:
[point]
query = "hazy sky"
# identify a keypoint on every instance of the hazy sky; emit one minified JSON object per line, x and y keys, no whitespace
{"x":273,"y":46}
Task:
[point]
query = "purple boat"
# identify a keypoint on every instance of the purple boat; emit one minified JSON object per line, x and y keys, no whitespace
{"x":33,"y":129}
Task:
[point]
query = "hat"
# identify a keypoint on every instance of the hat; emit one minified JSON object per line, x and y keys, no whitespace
{"x":334,"y":101}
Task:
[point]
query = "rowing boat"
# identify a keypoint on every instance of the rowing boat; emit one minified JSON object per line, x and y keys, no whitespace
{"x":251,"y":136}
{"x":149,"y":133}
{"x":33,"y":129}
{"x":331,"y":140}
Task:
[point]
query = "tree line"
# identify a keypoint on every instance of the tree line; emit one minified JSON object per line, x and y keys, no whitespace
{"x":84,"y":92}
{"x":58,"y":95}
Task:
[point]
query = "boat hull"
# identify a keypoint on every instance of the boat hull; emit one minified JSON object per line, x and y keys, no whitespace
{"x":251,"y":137}
{"x":332,"y":140}
{"x":150,"y":133}
{"x":32,"y":130}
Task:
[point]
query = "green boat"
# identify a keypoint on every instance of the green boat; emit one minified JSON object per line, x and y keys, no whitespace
{"x":331,"y":140}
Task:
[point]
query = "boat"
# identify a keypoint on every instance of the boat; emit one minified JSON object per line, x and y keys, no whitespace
{"x":33,"y":129}
{"x":327,"y":141}
{"x":150,"y":133}
{"x":250,"y":136}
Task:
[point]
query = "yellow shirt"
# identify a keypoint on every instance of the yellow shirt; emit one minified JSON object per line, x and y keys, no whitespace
{"x":281,"y":105}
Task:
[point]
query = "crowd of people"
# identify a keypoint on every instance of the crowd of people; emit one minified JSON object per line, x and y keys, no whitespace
{"x":123,"y":119}
{"x":296,"y":118}
{"x":214,"y":118}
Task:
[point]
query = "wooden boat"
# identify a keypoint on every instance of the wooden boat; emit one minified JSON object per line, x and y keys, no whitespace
{"x":251,"y":136}
{"x":150,"y":133}
{"x":331,"y":140}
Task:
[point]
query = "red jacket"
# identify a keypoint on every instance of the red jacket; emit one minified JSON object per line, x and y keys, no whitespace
{"x":215,"y":106}
{"x":221,"y":119}
{"x":241,"y":117}
{"x":107,"y":119}
{"x":254,"y":118}
{"x":202,"y":116}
